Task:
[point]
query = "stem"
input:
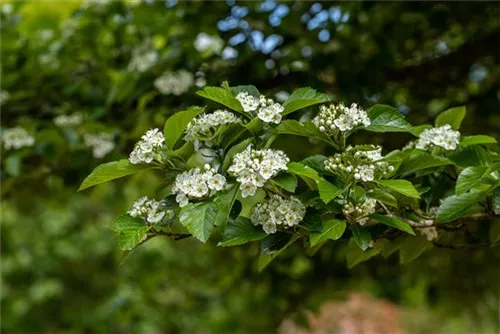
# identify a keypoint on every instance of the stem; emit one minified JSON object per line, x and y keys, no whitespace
{"x":270,"y":141}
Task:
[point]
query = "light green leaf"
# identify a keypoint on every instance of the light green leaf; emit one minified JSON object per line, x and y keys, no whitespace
{"x":248,"y":203}
{"x":332,"y":229}
{"x":419,"y":160}
{"x":13,"y":164}
{"x":361,"y":236}
{"x":355,"y":255}
{"x":286,"y":181}
{"x":456,"y":206}
{"x":302,"y":98}
{"x":469,"y":178}
{"x":393,"y":222}
{"x":222,"y":96}
{"x":224,"y":202}
{"x":254,"y":126}
{"x":110,"y":171}
{"x":131,"y":231}
{"x":401,"y":186}
{"x":477,"y":140}
{"x":412,"y":247}
{"x":306,"y":129}
{"x":385,"y":118}
{"x":177,"y":123}
{"x":453,"y":116}
{"x":383,"y":197}
{"x":252,"y":90}
{"x":241,"y":231}
{"x":199,"y":219}
{"x":418,"y":129}
{"x":328,"y":191}
{"x":240,"y":147}
{"x":303,"y":171}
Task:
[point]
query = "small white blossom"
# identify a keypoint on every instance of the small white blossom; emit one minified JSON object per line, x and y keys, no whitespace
{"x":341,"y":118}
{"x":253,"y":168}
{"x":206,"y":125}
{"x":267,"y":110}
{"x":206,"y":43}
{"x":101,"y":143}
{"x":68,"y":121}
{"x":277,"y":213}
{"x":196,"y":183}
{"x":4,"y":96}
{"x":150,"y":211}
{"x":148,"y":148}
{"x":143,"y":58}
{"x":443,"y":136}
{"x":16,"y":138}
{"x":175,"y":83}
{"x":430,"y":232}
{"x":360,"y":212}
{"x":248,"y":102}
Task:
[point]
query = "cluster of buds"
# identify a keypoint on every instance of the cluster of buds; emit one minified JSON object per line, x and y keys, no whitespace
{"x":16,"y":138}
{"x":175,"y":83}
{"x":150,"y":211}
{"x":205,"y":126}
{"x":340,"y":118}
{"x":359,"y":212}
{"x":195,"y":184}
{"x":101,"y":143}
{"x":253,"y":168}
{"x":443,"y":136}
{"x":148,"y":148}
{"x":361,"y":163}
{"x":266,"y":109}
{"x":279,"y":213}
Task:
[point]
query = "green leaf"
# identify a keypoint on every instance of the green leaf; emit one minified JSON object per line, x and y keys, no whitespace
{"x":355,"y":255}
{"x":13,"y":164}
{"x":199,"y":219}
{"x":286,"y":181}
{"x":222,"y":96}
{"x":453,"y":116}
{"x":316,"y":162}
{"x":361,"y":236}
{"x":328,"y":191}
{"x":393,"y":222}
{"x":417,"y":130}
{"x":471,"y":156}
{"x":252,"y":90}
{"x":383,"y":197}
{"x":332,"y":229}
{"x":254,"y":126}
{"x":265,"y":259}
{"x":274,"y":242}
{"x":110,"y":171}
{"x":477,"y":140}
{"x":304,"y":171}
{"x":387,"y":247}
{"x":240,"y":147}
{"x":418,"y":160}
{"x":456,"y":206}
{"x":306,"y":129}
{"x":495,"y":203}
{"x":401,"y":186}
{"x":302,"y":98}
{"x":241,"y":231}
{"x":412,"y":247}
{"x":248,"y":203}
{"x":385,"y":118}
{"x":177,"y":123}
{"x":224,"y":202}
{"x":469,"y":178}
{"x":131,"y":231}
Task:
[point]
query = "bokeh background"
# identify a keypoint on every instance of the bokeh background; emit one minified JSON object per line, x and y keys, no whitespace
{"x":86,"y":79}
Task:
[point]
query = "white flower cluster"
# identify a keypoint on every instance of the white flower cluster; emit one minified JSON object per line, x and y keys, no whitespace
{"x":429,"y":232}
{"x":175,"y":83}
{"x":340,"y":117}
{"x":195,"y":183}
{"x":210,"y":44}
{"x":359,"y":162}
{"x":443,"y":136}
{"x":101,"y":143}
{"x":278,"y":213}
{"x":15,"y":138}
{"x":206,"y":125}
{"x":267,"y":110}
{"x":143,"y":58}
{"x":4,"y":96}
{"x":149,"y":210}
{"x":253,"y":168}
{"x":148,"y":148}
{"x":359,"y":213}
{"x":68,"y":121}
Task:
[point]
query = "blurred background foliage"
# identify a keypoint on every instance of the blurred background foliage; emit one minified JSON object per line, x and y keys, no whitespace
{"x":62,"y":270}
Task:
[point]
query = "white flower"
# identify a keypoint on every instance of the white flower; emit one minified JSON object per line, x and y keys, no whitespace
{"x":443,"y":136}
{"x":143,"y":58}
{"x":267,"y":110}
{"x":16,"y":138}
{"x":67,"y":121}
{"x":150,"y":210}
{"x":195,"y":183}
{"x":278,"y":212}
{"x":207,"y":43}
{"x":366,"y":172}
{"x":253,"y":168}
{"x":4,"y":96}
{"x":148,"y":148}
{"x":248,"y":102}
{"x":206,"y":125}
{"x":360,"y":212}
{"x":101,"y":143}
{"x":341,"y":118}
{"x":430,"y":232}
{"x":175,"y":83}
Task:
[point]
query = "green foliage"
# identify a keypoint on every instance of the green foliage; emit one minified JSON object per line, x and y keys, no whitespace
{"x":175,"y":125}
{"x":453,"y":117}
{"x":302,"y":98}
{"x":400,"y":186}
{"x":111,"y":171}
{"x":331,"y":229}
{"x":131,"y":231}
{"x":393,"y":222}
{"x":387,"y":119}
{"x":199,"y":219}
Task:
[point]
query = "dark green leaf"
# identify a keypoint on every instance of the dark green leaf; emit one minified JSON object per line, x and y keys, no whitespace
{"x":241,"y":231}
{"x":332,"y":229}
{"x":306,"y":129}
{"x":274,"y":242}
{"x":222,"y":96}
{"x":328,"y":191}
{"x":385,"y":118}
{"x":302,"y":98}
{"x":401,"y":186}
{"x":361,"y":236}
{"x":240,"y":147}
{"x":265,"y":259}
{"x":199,"y":219}
{"x":110,"y":171}
{"x":131,"y":231}
{"x":477,"y":140}
{"x":286,"y":181}
{"x":419,"y":160}
{"x":224,"y":202}
{"x":393,"y":222}
{"x":316,"y":162}
{"x":453,"y":116}
{"x":355,"y":255}
{"x":456,"y":206}
{"x":412,"y":247}
{"x":177,"y":123}
{"x":383,"y":197}
{"x":496,"y":201}
{"x":469,"y":178}
{"x":471,"y":156}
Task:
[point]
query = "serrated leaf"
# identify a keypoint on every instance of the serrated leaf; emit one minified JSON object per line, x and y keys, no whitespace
{"x":306,"y":129}
{"x":456,"y":206}
{"x":332,"y":229}
{"x":477,"y":140}
{"x":222,"y":96}
{"x":240,"y":147}
{"x":302,"y":98}
{"x":471,"y":156}
{"x":385,"y":118}
{"x":241,"y":231}
{"x":199,"y":219}
{"x":131,"y":231}
{"x":303,"y":171}
{"x":413,"y":247}
{"x":361,"y":236}
{"x":251,"y":90}
{"x":265,"y":259}
{"x":274,"y":242}
{"x":327,"y":191}
{"x":383,"y":197}
{"x":316,"y":162}
{"x":224,"y":202}
{"x":453,"y":116}
{"x":286,"y":181}
{"x":393,"y":222}
{"x":401,"y":186}
{"x":355,"y":255}
{"x":469,"y":178}
{"x":176,"y":124}
{"x":418,"y":160}
{"x":110,"y":171}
